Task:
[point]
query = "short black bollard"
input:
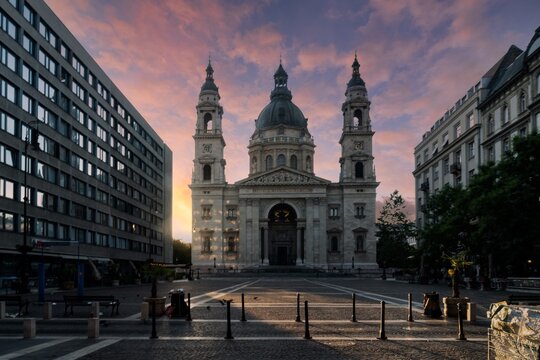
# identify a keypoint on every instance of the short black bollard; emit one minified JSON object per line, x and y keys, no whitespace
{"x":307,"y":336}
{"x":198,"y":276}
{"x":188,"y":316}
{"x":409,"y":317}
{"x":243,"y":318}
{"x":229,"y":332}
{"x":382,"y":334}
{"x":461,"y":332}
{"x":353,"y":317}
{"x":298,"y":308}
{"x":154,"y":295}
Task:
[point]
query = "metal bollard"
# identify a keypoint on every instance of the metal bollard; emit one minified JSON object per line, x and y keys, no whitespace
{"x":298,"y":308}
{"x":2,"y":309}
{"x":145,"y":311}
{"x":409,"y":317}
{"x":93,"y":328}
{"x":95,"y":309}
{"x":229,"y":332}
{"x":198,"y":275}
{"x":188,"y":316}
{"x":382,"y":334}
{"x":307,"y":336}
{"x":353,"y":317}
{"x":154,"y":295}
{"x":47,"y":311}
{"x":29,"y":328}
{"x":243,"y":318}
{"x":461,"y":332}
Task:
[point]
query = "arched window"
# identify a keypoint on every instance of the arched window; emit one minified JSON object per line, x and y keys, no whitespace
{"x":308,"y":163}
{"x":522,"y":102}
{"x":207,"y":122}
{"x":359,"y":170}
{"x":269,"y":162}
{"x":281,"y":160}
{"x":334,"y":244}
{"x":207,"y":172}
{"x":294,"y":162}
{"x":254,"y":164}
{"x":357,"y":117}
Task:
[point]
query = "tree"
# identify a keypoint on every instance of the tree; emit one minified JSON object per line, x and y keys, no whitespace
{"x":394,"y":229}
{"x":181,"y":252}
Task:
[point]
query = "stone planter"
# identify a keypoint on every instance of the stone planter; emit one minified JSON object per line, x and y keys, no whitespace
{"x":450,"y":306}
{"x":160,"y":304}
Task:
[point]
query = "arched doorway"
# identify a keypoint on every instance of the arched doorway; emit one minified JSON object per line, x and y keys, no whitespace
{"x":282,"y":235}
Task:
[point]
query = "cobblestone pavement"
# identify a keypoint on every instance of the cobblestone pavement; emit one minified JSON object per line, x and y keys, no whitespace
{"x":270,"y":330}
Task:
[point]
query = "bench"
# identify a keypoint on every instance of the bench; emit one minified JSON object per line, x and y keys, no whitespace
{"x":16,"y":300}
{"x":526,"y":299}
{"x":87,"y":300}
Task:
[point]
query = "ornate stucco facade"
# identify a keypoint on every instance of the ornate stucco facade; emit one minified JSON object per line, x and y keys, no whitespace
{"x":282,"y":214}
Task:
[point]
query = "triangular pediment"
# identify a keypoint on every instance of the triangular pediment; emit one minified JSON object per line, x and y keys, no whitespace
{"x":283,"y":176}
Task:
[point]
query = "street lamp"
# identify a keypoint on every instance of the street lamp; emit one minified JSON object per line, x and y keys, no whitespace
{"x":31,"y":138}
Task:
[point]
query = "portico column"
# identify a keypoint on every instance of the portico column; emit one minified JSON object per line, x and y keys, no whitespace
{"x":266,"y":246}
{"x":298,"y":246}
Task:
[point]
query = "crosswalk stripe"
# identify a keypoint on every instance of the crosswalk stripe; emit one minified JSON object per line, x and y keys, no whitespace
{"x":88,"y":349}
{"x":34,"y":348}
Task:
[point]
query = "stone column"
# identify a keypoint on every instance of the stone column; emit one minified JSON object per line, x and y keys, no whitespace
{"x":266,"y":245}
{"x":298,"y":246}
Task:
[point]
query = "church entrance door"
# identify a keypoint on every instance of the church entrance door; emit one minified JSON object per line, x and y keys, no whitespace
{"x":282,"y":235}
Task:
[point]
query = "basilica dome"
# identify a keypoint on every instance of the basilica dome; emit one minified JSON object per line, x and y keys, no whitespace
{"x":281,"y":110}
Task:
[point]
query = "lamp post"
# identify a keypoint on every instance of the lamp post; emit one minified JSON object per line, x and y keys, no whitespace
{"x":31,"y":138}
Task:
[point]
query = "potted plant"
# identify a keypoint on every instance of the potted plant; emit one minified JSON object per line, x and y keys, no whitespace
{"x":458,"y":263}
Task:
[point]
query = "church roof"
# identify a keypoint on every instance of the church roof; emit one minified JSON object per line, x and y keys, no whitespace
{"x":209,"y":84}
{"x":281,"y":110}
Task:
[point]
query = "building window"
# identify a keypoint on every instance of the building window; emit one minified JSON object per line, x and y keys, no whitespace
{"x":505,"y":114}
{"x":446,"y":166}
{"x":231,"y":244}
{"x":426,"y":155}
{"x":522,"y":102}
{"x":254,"y":164}
{"x":470,"y":120}
{"x":8,"y":59}
{"x":6,"y":221}
{"x":7,"y":189}
{"x":206,"y":245}
{"x":7,"y":123}
{"x":359,"y":211}
{"x":333,"y":212}
{"x":8,"y":26}
{"x":47,"y":34}
{"x":206,"y":212}
{"x":491,"y":153}
{"x":360,"y":242}
{"x":357,"y":118}
{"x":207,"y":173}
{"x":231,"y":213}
{"x":334,"y":244}
{"x":207,"y":122}
{"x":506,"y":146}
{"x":28,"y":74}
{"x":7,"y":156}
{"x":281,"y":160}
{"x":8,"y":91}
{"x":445,"y":140}
{"x":418,"y":161}
{"x":457,"y":157}
{"x":470,"y":149}
{"x":523,"y":131}
{"x":294,"y":162}
{"x":457,"y":130}
{"x":47,"y":62}
{"x":269,"y":162}
{"x":491,"y":125}
{"x":359,"y":170}
{"x":308,"y":163}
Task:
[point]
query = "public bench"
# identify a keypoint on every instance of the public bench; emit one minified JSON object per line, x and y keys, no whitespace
{"x":87,"y":300}
{"x":526,"y":299}
{"x":16,"y":300}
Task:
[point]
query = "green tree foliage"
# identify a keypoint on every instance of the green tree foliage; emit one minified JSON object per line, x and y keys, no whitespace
{"x":496,"y":216}
{"x":394,"y":228}
{"x":181,"y":252}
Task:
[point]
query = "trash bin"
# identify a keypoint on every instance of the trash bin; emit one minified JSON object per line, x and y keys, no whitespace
{"x":432,"y":307}
{"x":178,"y":303}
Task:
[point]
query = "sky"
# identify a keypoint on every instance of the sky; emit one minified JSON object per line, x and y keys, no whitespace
{"x":416,"y":57}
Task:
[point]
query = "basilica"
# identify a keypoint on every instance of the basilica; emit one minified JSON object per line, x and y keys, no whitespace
{"x":282,"y":214}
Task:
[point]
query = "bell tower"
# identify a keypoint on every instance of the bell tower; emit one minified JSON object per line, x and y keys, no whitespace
{"x":209,"y":163}
{"x":356,"y":138}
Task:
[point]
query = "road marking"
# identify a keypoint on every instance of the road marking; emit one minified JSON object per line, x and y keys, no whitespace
{"x":213,"y":295}
{"x":88,"y":350}
{"x":372,"y":296}
{"x":34,"y":348}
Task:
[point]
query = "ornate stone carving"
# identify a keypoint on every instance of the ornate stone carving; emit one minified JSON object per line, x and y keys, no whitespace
{"x":207,"y":148}
{"x":283,"y":177}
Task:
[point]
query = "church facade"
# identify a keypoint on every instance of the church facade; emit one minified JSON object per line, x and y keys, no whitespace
{"x":282,"y":214}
